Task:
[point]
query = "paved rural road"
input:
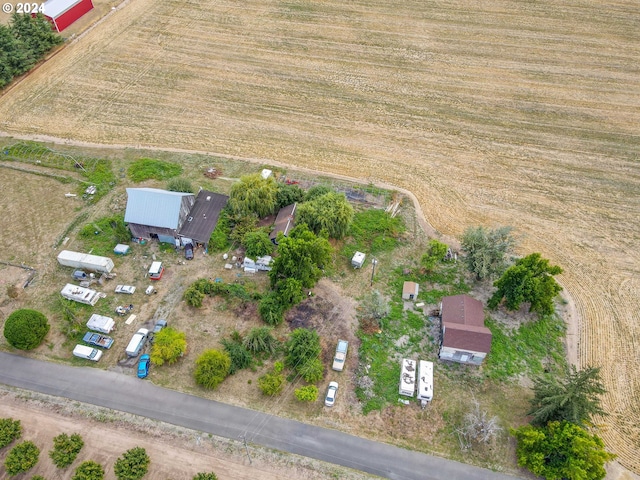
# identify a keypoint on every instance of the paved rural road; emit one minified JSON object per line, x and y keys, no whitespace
{"x":129,"y":394}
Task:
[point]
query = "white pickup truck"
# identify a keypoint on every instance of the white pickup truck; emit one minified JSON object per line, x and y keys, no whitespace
{"x":340,"y":356}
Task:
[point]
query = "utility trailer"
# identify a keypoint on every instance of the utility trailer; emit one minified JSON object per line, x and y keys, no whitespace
{"x":100,"y":323}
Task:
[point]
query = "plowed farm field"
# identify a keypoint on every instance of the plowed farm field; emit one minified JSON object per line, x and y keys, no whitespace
{"x":494,"y":112}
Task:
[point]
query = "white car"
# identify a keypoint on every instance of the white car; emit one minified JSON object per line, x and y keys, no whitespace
{"x":332,"y":391}
{"x":125,"y":289}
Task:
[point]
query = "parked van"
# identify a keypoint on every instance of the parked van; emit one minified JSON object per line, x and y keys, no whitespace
{"x":89,"y":353}
{"x":137,"y":342}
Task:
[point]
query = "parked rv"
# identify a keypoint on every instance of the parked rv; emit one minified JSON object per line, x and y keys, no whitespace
{"x":88,"y":353}
{"x":137,"y":342}
{"x":408,"y":378}
{"x":100,"y":323}
{"x":425,"y":382}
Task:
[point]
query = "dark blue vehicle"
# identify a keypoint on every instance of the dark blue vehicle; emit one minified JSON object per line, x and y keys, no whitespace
{"x":143,"y":366}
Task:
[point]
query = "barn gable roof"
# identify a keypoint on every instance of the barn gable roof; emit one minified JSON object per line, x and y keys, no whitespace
{"x":55,"y":8}
{"x":463,"y":324}
{"x":157,"y":208}
{"x":285,"y":221}
{"x":203,"y":216}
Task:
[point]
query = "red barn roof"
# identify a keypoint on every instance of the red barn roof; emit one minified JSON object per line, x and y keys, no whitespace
{"x":463,"y":323}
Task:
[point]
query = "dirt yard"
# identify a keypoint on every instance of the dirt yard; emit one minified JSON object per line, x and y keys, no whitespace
{"x":499,"y":113}
{"x":175,"y":453}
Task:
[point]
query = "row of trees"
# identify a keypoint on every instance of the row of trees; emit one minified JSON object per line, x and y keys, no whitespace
{"x":23,"y":43}
{"x":132,"y":465}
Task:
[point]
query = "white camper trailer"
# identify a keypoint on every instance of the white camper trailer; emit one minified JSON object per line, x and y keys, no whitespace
{"x":425,"y":382}
{"x":85,"y":261}
{"x":100,"y":323}
{"x":408,"y":378}
{"x":80,"y":294}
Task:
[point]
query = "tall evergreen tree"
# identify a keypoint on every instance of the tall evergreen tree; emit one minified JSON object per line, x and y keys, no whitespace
{"x":574,"y":397}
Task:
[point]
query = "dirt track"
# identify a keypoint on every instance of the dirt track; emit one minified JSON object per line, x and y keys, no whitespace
{"x":499,"y":113}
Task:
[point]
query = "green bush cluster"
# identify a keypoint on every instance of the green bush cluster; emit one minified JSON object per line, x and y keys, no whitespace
{"x":195,"y":293}
{"x":10,"y":429}
{"x":25,"y":329}
{"x":22,"y":458}
{"x":65,"y":449}
{"x":132,"y":465}
{"x":212,"y":367}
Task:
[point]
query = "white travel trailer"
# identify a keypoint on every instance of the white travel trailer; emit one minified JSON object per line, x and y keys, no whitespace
{"x":100,"y":323}
{"x":80,"y":294}
{"x":425,"y":382}
{"x":85,"y":261}
{"x":408,"y":378}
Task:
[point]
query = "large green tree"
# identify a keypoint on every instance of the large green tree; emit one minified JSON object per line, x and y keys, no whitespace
{"x":22,"y":458}
{"x":574,"y":397}
{"x":257,"y":244}
{"x":303,"y":346}
{"x":302,"y":255}
{"x":487,"y":250}
{"x":434,"y":255}
{"x":89,"y":470}
{"x":330,"y":212}
{"x":212,"y":367}
{"x":132,"y":465}
{"x":288,"y":194}
{"x":10,"y":429}
{"x":561,"y":450}
{"x":65,"y":449}
{"x":253,"y":195}
{"x":529,"y":280}
{"x":25,"y":329}
{"x":169,"y":345}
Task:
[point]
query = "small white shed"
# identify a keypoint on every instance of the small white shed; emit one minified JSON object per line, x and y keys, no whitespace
{"x":358,"y":259}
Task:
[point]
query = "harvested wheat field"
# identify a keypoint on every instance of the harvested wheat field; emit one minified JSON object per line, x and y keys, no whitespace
{"x":490,"y":112}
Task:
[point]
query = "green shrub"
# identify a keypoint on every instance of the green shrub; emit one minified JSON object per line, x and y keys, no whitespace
{"x":180,"y":185}
{"x":168,"y":346}
{"x":271,"y":310}
{"x":89,"y":470}
{"x":65,"y":449}
{"x":205,"y":476}
{"x":261,"y":340}
{"x":312,"y":371}
{"x":307,"y":394}
{"x":193,"y":297}
{"x":132,"y":465}
{"x":212,"y":367}
{"x":10,"y":429}
{"x":257,"y":244}
{"x":240,"y":356}
{"x":25,"y":329}
{"x":148,"y":168}
{"x":22,"y":458}
{"x":219,"y":240}
{"x":271,"y":383}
